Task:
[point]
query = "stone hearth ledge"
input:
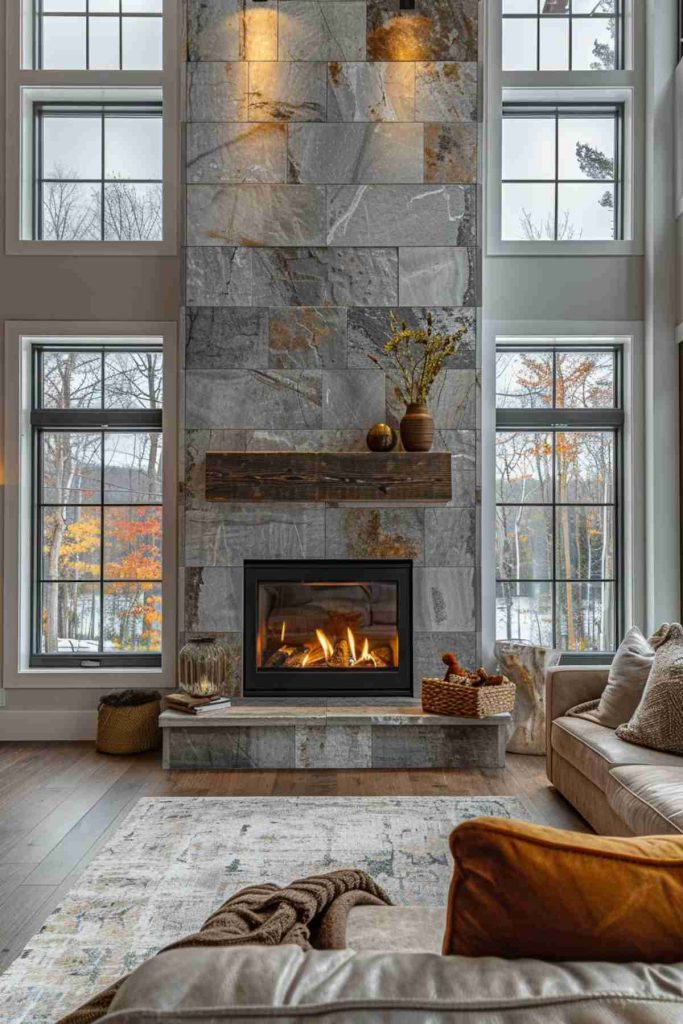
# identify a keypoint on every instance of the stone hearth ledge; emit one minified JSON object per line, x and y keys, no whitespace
{"x":330,"y":736}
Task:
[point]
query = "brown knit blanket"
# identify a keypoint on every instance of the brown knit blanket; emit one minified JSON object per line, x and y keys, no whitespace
{"x":310,"y":912}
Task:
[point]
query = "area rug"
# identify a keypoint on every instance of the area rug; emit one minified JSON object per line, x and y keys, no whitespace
{"x":175,"y":859}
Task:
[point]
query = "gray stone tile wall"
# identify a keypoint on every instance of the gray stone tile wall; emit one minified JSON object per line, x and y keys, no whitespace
{"x":332,"y":176}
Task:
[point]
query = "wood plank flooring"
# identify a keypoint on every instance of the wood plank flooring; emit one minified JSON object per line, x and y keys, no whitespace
{"x":60,"y":801}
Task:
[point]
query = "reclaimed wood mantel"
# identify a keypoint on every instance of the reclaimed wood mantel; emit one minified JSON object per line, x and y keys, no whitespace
{"x":328,"y":476}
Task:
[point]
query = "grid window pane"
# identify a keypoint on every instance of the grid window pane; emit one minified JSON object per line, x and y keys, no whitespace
{"x":524,"y":466}
{"x":101,"y":35}
{"x":520,"y":6}
{"x":70,"y":618}
{"x":519,"y":44}
{"x":104,"y":44}
{"x":118,"y":150}
{"x":63,"y":43}
{"x":524,"y":611}
{"x":554,"y":44}
{"x":594,"y":44}
{"x":142,"y":44}
{"x":132,"y":467}
{"x":557,"y":497}
{"x":524,"y":542}
{"x":577,"y":148}
{"x":63,"y":6}
{"x":104,"y":6}
{"x":584,"y":35}
{"x":98,"y":517}
{"x":142,"y":6}
{"x":585,"y":616}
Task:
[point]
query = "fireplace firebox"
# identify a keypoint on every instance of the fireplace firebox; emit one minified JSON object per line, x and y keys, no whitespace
{"x":328,"y":628}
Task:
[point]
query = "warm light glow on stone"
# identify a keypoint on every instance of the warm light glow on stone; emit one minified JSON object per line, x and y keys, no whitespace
{"x":259,"y":33}
{"x":404,"y":37}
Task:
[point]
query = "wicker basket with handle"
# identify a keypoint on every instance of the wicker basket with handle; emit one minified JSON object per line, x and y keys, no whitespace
{"x":441,"y":697}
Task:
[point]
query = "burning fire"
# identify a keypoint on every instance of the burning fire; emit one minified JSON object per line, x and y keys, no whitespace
{"x":330,"y":652}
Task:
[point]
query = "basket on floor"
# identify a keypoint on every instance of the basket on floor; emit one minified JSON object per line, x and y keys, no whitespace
{"x":128,"y":722}
{"x":441,"y":697}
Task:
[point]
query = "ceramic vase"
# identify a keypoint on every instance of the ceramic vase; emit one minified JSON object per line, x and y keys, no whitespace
{"x":417,"y":428}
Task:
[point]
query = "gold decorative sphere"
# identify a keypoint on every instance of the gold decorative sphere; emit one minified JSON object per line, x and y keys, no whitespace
{"x":381,"y":438}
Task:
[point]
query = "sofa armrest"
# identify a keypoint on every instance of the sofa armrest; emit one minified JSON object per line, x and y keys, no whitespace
{"x":565,"y":687}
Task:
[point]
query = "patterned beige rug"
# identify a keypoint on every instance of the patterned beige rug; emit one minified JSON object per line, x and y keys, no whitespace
{"x":174,"y":860}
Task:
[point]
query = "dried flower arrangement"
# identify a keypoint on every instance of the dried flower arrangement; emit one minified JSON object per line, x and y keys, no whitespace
{"x":419,"y":355}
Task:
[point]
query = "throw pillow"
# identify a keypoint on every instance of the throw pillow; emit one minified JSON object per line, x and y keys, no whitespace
{"x":625,"y":684}
{"x":657,"y":722}
{"x":522,"y":890}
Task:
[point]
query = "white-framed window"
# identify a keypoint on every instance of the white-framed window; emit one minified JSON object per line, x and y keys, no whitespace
{"x":92,"y":140}
{"x":569,"y":180}
{"x":563,"y":557}
{"x":90,"y":507}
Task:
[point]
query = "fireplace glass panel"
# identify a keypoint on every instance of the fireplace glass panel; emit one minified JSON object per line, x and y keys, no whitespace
{"x":327,"y":626}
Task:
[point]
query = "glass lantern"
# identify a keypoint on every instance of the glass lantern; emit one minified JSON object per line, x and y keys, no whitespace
{"x":203,"y":669}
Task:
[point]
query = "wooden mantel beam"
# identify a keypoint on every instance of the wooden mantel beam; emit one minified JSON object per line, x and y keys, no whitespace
{"x":328,"y":476}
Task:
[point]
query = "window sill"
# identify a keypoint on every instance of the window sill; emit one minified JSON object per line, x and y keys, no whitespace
{"x":29,"y":247}
{"x":497,"y":247}
{"x":83,"y":679}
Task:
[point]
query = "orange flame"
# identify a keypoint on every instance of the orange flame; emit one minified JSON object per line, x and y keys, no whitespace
{"x":352,"y":644}
{"x":325,"y":643}
{"x":283,"y":631}
{"x":365,"y":653}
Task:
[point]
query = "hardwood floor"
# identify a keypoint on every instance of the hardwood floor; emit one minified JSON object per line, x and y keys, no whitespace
{"x":60,"y":801}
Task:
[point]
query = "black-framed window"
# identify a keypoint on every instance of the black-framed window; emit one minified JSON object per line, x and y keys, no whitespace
{"x":96,"y":572}
{"x":97,"y":35}
{"x":98,"y":172}
{"x":563,"y":35}
{"x":562,"y":172}
{"x":559,"y":425}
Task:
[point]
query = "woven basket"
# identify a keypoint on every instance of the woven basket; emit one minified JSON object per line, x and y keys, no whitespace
{"x":128,"y":730}
{"x":452,"y":698}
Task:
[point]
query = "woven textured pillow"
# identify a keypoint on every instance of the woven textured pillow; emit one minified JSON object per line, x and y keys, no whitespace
{"x":522,"y":890}
{"x":625,"y":684}
{"x":657,"y":722}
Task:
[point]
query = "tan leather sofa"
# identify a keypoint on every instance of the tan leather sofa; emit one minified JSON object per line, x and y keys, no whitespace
{"x":619,"y":788}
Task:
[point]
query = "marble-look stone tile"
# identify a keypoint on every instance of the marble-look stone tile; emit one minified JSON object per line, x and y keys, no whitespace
{"x":253,"y":398}
{"x":428,"y":215}
{"x":325,"y":277}
{"x":306,"y":440}
{"x":232,"y":30}
{"x":451,"y":536}
{"x":375,"y":533}
{"x":369,"y":329}
{"x":338,"y":153}
{"x":446,"y":91}
{"x":213,"y":599}
{"x":437,"y":275}
{"x":371,"y":92}
{"x":450,"y":153}
{"x":197,"y":444}
{"x":236,"y":153}
{"x":353,"y":398}
{"x":435,"y":30}
{"x":217,"y":91}
{"x":462,"y":444}
{"x":226,"y":534}
{"x":453,"y":401}
{"x":217,"y":276}
{"x":424,"y":746}
{"x":306,"y":336}
{"x":429,"y":647}
{"x":322,"y":30}
{"x":265,"y":747}
{"x":218,"y":338}
{"x":287,"y":91}
{"x":444,"y":600}
{"x":333,"y":746}
{"x":253,"y":215}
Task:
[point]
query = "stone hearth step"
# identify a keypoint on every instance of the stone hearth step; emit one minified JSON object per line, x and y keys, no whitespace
{"x":330,"y":735}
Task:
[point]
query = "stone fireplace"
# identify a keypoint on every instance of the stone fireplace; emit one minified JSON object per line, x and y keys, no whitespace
{"x":328,"y":628}
{"x":331,"y":177}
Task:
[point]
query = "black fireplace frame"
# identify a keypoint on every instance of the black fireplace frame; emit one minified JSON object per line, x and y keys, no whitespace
{"x":397,"y":682}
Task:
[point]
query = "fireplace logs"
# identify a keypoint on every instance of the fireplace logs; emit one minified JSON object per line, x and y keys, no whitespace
{"x":326,"y":652}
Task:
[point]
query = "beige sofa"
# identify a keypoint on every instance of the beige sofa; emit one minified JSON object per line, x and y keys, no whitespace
{"x":619,"y":788}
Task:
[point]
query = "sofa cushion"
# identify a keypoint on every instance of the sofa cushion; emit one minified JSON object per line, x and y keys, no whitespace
{"x":625,"y":684}
{"x":524,"y":890}
{"x":593,"y":749}
{"x":257,"y":983}
{"x":404,"y":929}
{"x":648,"y":798}
{"x":657,"y":722}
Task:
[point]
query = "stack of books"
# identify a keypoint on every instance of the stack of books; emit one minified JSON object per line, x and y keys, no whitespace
{"x":196,"y":705}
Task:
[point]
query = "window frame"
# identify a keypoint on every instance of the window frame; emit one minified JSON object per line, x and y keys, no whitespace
{"x":545,"y":109}
{"x":19,"y":534}
{"x":563,"y":420}
{"x":570,"y":17}
{"x":96,"y":420}
{"x":73,"y":108}
{"x":26,"y":86}
{"x":37,"y":28}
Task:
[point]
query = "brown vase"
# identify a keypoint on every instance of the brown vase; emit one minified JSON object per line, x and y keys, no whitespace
{"x":417,"y":428}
